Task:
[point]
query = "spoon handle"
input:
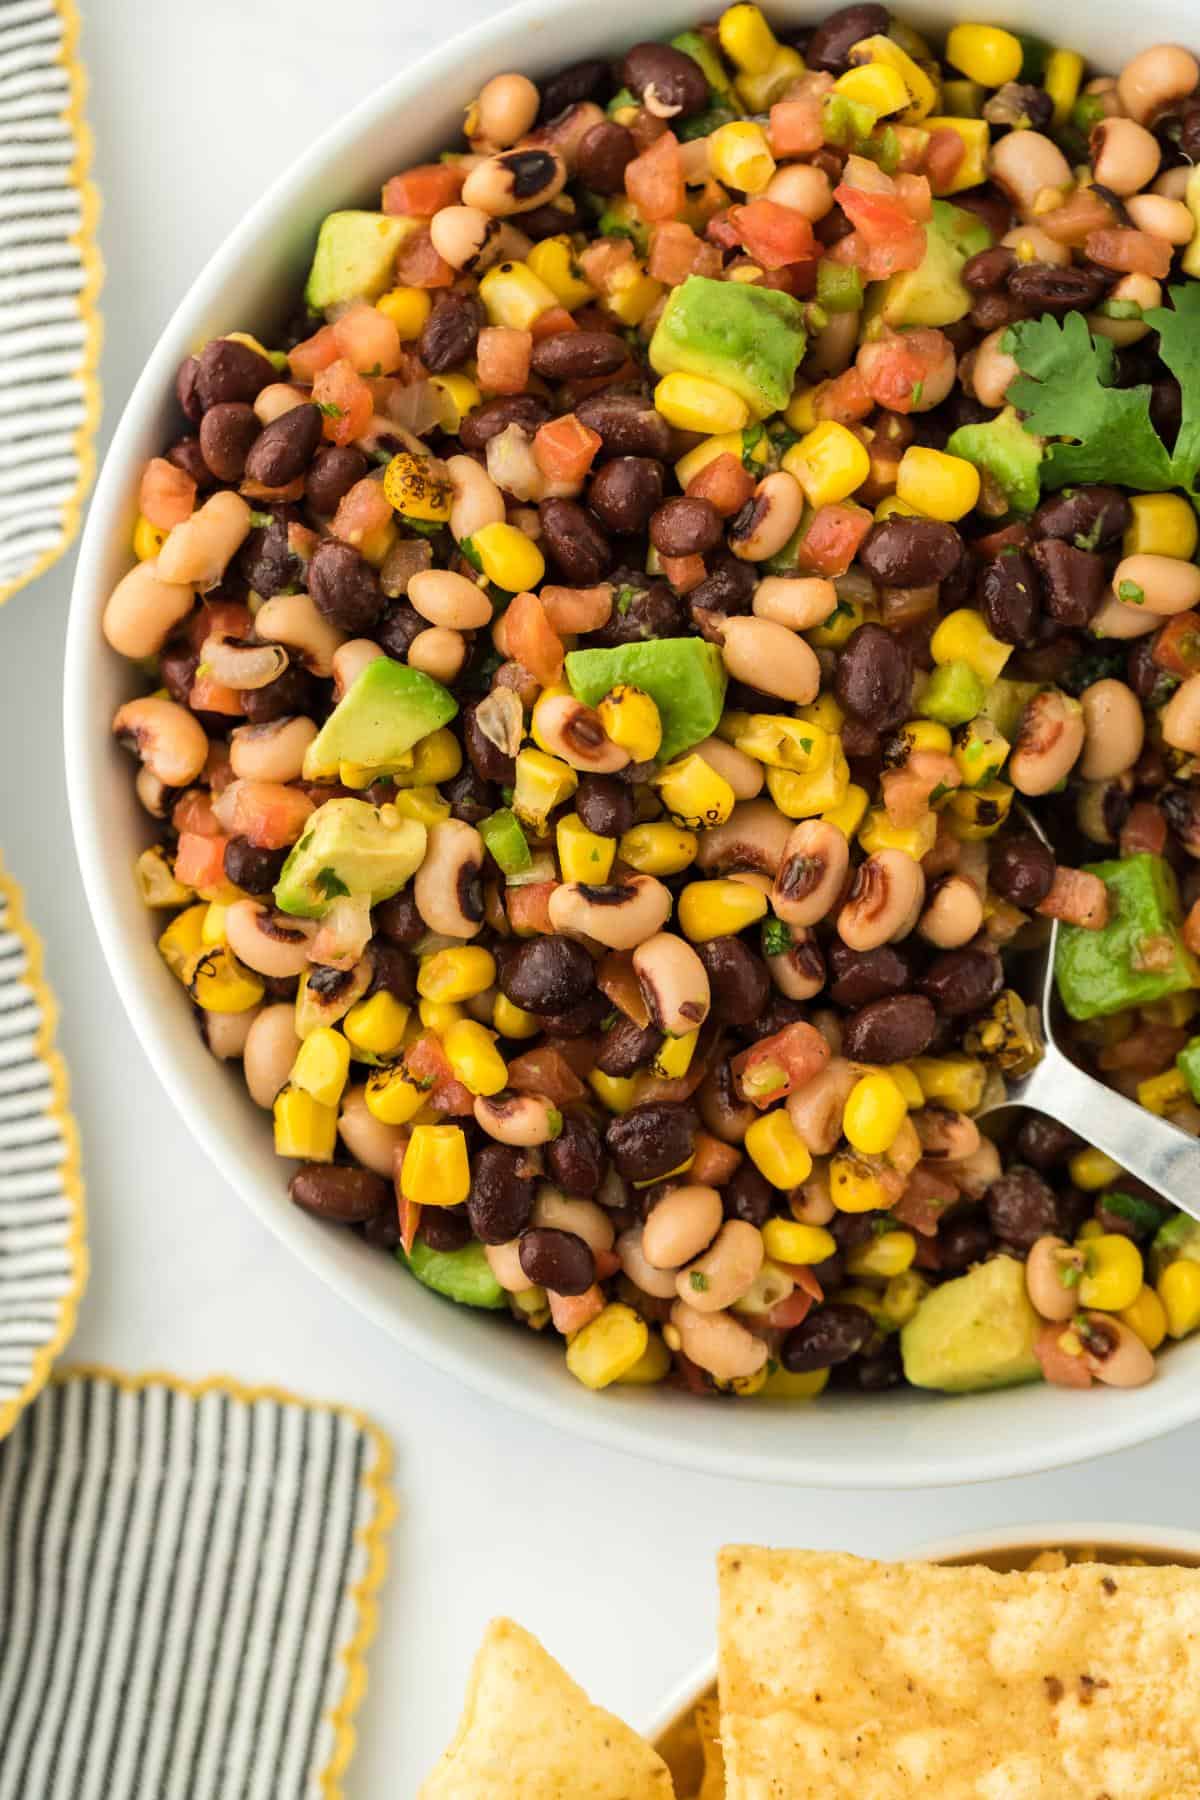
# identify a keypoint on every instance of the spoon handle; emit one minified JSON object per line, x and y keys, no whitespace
{"x":1157,"y":1152}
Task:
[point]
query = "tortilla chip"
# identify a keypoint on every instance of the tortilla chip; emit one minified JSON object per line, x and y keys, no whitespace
{"x":527,"y":1729}
{"x":840,"y":1677}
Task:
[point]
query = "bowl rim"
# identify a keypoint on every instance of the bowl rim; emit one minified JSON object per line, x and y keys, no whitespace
{"x":773,"y":1456}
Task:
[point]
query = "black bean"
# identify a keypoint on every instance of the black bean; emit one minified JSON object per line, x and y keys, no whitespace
{"x":585,"y":1017}
{"x":547,"y":974}
{"x":1073,"y":581}
{"x":649,"y":1141}
{"x":623,"y":493}
{"x":494,"y":416}
{"x":1166,"y":409}
{"x":686,"y":526}
{"x":1020,"y":106}
{"x":1045,"y":1143}
{"x":575,"y":1159}
{"x":878,"y":1368}
{"x":727,"y":588}
{"x":602,"y":155}
{"x":605,"y":806}
{"x":450,"y":332}
{"x":748,"y":1195}
{"x":1021,"y":870}
{"x":398,"y":625}
{"x":227,"y":432}
{"x":177,"y":667}
{"x":1189,"y":133}
{"x":1022,"y":1207}
{"x":860,"y":976}
{"x":487,"y":759}
{"x":383,"y":1231}
{"x":1090,"y":517}
{"x":580,"y":81}
{"x":1048,"y":288}
{"x":503,"y":1186}
{"x":961,"y":1242}
{"x":469,"y":795}
{"x":833,"y":39}
{"x":901,"y":552}
{"x":660,"y":73}
{"x":1009,"y":592}
{"x":285,"y":447}
{"x":740,"y":981}
{"x":626,"y":1047}
{"x":393,"y":972}
{"x":1182,"y":808}
{"x":577,"y":546}
{"x":255,"y":871}
{"x":398,"y":920}
{"x":642,"y":613}
{"x":187,"y":390}
{"x":187,"y":455}
{"x":293,"y":692}
{"x":831,"y":1334}
{"x":962,"y":981}
{"x":987,"y":269}
{"x":578,"y":355}
{"x":226,"y":370}
{"x":333,"y":472}
{"x":627,"y":423}
{"x":889,"y":1030}
{"x":345,"y":588}
{"x":266,"y":560}
{"x":444,"y":1229}
{"x":557,"y":1260}
{"x":874,"y":677}
{"x":347,"y":1195}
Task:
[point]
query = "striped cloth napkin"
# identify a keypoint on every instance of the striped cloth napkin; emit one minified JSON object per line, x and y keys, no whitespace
{"x":50,"y":276}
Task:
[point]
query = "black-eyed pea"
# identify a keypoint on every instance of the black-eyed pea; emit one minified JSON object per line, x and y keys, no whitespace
{"x":155,"y":796}
{"x":562,"y":1212}
{"x":946,"y":1135}
{"x":167,"y":739}
{"x":992,"y":369}
{"x":349,"y":660}
{"x":811,"y":874}
{"x":1049,"y":742}
{"x":1032,"y":244}
{"x":673,"y":983}
{"x":1153,"y":80}
{"x":1181,"y":717}
{"x":269,"y":942}
{"x":682,"y":1224}
{"x":448,"y":887}
{"x":271,"y":752}
{"x":245,"y":667}
{"x":1029,"y":166}
{"x":802,"y":187}
{"x":658,"y":1283}
{"x":1161,"y":216}
{"x":143,"y":610}
{"x":726,"y":1271}
{"x":831,"y":349}
{"x":799,"y":971}
{"x":505,"y":110}
{"x":1172,"y":183}
{"x":1112,"y":1352}
{"x":504,"y":1260}
{"x":1052,"y":1271}
{"x":445,"y":598}
{"x":277,"y":398}
{"x":569,"y":729}
{"x":439,"y":652}
{"x":812,"y":1203}
{"x":462,"y":234}
{"x":368,"y":1139}
{"x":974,"y":1174}
{"x":1136,"y":290}
{"x":1121,"y":619}
{"x":884,"y":902}
{"x":225,"y":1033}
{"x":717,"y":1343}
{"x":523,"y":1120}
{"x":199,"y":549}
{"x":620,"y":915}
{"x":1114,"y":729}
{"x":754,"y":836}
{"x":817,"y":1108}
{"x":800,"y":603}
{"x":1125,"y":156}
{"x":953,"y":915}
{"x":269,"y":1052}
{"x":515,"y":181}
{"x":744,"y":775}
{"x":476,"y":500}
{"x":1163,"y":585}
{"x":293,"y":621}
{"x":768,"y":519}
{"x":770,"y":658}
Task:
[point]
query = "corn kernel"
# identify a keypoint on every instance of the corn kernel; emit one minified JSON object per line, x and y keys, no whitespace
{"x":890,"y":508}
{"x":906,"y":1081}
{"x":514,"y":296}
{"x":902,"y":1295}
{"x":854,"y":1187}
{"x":726,"y":443}
{"x":787,"y":1241}
{"x":608,"y":1347}
{"x":148,"y":539}
{"x":777,"y":1150}
{"x":781,"y":1384}
{"x":408,"y":308}
{"x":424,"y":804}
{"x":784,"y":743}
{"x":509,"y":558}
{"x":825,"y":712}
{"x":553,"y":261}
{"x":582,"y":854}
{"x":877,"y":87}
{"x":758,"y":93}
{"x":156,"y":881}
{"x":926,"y":734}
{"x":975,"y":136}
{"x":376,"y":1027}
{"x":436,"y":757}
{"x":512,"y":1021}
{"x":849,"y":813}
{"x":883,"y":1257}
{"x":921,"y":91}
{"x":941,"y":486}
{"x":653,"y":1365}
{"x":305,"y":1130}
{"x":842,"y":623}
{"x":472,"y":1054}
{"x":322,"y":1065}
{"x":829,"y":462}
{"x":878,"y":833}
{"x":616,"y":1092}
{"x":1112,"y":1276}
{"x":964,"y":99}
{"x":719,"y":908}
{"x":391,"y":1097}
{"x":1147,"y":1316}
{"x":985,"y":54}
{"x":962,"y":636}
{"x":631,"y":719}
{"x":980,"y":750}
{"x":1092,"y":1170}
{"x":693,"y":793}
{"x":181,"y":941}
{"x":631,"y":293}
{"x":875,"y":1111}
{"x":658,"y":848}
{"x":693,"y":403}
{"x":1162,"y":525}
{"x":1091,"y":1228}
{"x":954,"y":1080}
{"x":435,"y":1171}
{"x":219,"y":983}
{"x":808,"y":796}
{"x":1163,"y":1092}
{"x":457,"y":395}
{"x":1179,"y":1291}
{"x":746,"y":38}
{"x":439,"y":1015}
{"x":800,"y":412}
{"x":1062,"y":79}
{"x":543,"y":782}
{"x":457,"y":974}
{"x":673,"y":1059}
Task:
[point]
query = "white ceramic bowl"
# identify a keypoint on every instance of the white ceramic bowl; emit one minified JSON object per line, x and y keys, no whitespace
{"x":888,"y":1441}
{"x":1161,"y":1541}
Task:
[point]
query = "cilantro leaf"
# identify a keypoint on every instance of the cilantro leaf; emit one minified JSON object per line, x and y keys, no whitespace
{"x":776,"y":938}
{"x":1178,"y":328}
{"x":330,"y":884}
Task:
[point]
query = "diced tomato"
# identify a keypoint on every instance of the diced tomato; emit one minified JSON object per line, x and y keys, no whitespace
{"x":1144,"y":830}
{"x":427,"y":1064}
{"x":722,"y":231}
{"x":410,"y":1219}
{"x":345,"y":401}
{"x":926,"y":1196}
{"x":893,"y":368}
{"x":912,"y":191}
{"x":724,"y":482}
{"x":832,"y":540}
{"x":796,"y":127}
{"x":502,"y":359}
{"x":419,"y":265}
{"x":1177,"y":645}
{"x":1085,"y":211}
{"x":453,"y":1099}
{"x":617,"y":982}
{"x":572,"y":610}
{"x":211,"y":696}
{"x":684,"y":572}
{"x":528,"y":908}
{"x":598,"y":262}
{"x":943,"y":158}
{"x":551,"y":322}
{"x":529,"y":637}
{"x":200,"y":861}
{"x":907,"y":791}
{"x":167,"y":494}
{"x":308,"y":358}
{"x":773,"y":235}
{"x":1077,"y":898}
{"x":565,"y":448}
{"x":219,"y":618}
{"x":676,"y":252}
{"x":571,"y":1312}
{"x":844,"y":399}
{"x":654,"y":180}
{"x":271,"y":815}
{"x":302,"y":542}
{"x":786,"y":1314}
{"x":712,"y":1161}
{"x":1009,"y":537}
{"x":363,"y":518}
{"x":367,"y":339}
{"x":545,"y":1071}
{"x":888,"y":238}
{"x":1059,"y":1366}
{"x":1132,"y":252}
{"x":193,"y":813}
{"x":779,"y":1064}
{"x":423,"y":190}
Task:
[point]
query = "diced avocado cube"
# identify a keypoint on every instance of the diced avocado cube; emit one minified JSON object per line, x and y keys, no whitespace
{"x":462,"y":1275}
{"x":952,"y":695}
{"x":1188,"y":1064}
{"x":750,"y":339}
{"x":501,"y":832}
{"x":685,"y":678}
{"x":383,"y":713}
{"x":974,"y":1333}
{"x":1004,"y":703}
{"x":1176,"y":1241}
{"x":934,"y":292}
{"x":351,"y":848}
{"x":1011,"y":455}
{"x":1139,"y":956}
{"x":354,"y":258}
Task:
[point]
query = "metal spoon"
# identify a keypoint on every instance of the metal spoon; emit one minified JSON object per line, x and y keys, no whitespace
{"x":1157,"y":1152}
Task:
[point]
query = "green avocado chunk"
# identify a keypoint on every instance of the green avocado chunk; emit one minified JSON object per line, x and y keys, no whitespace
{"x":974,"y":1333}
{"x":1004,"y":703}
{"x":933,"y":293}
{"x":383,"y":713}
{"x":354,"y":257}
{"x":461,"y":1275}
{"x":750,"y":339}
{"x":349,"y":848}
{"x":1011,"y":455}
{"x":693,"y":44}
{"x":1138,"y":957}
{"x":1176,"y":1241}
{"x":685,"y":678}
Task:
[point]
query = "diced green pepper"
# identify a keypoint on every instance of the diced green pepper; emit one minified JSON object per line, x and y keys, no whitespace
{"x":1142,"y":1215}
{"x":839,"y":287}
{"x":502,"y":834}
{"x":1139,"y":956}
{"x":953,"y":694}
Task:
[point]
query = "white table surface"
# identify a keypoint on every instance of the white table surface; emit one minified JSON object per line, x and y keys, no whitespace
{"x":194,"y":108}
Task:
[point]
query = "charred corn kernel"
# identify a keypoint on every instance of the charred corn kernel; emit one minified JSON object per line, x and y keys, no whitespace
{"x":746,"y":38}
{"x":719,"y":908}
{"x":616,"y":1092}
{"x":693,"y":403}
{"x":784,"y":1240}
{"x":875,"y":1111}
{"x":439,"y":1015}
{"x":848,"y":815}
{"x":902,"y":1295}
{"x":985,"y":54}
{"x":921,"y":91}
{"x":212,"y":926}
{"x":1179,"y":1291}
{"x":632,"y":720}
{"x":1064,"y":73}
{"x":979,"y":812}
{"x":674,"y":1058}
{"x":878,"y":833}
{"x":941,"y":486}
{"x":457,"y":974}
{"x":777,"y":1150}
{"x":693,"y":793}
{"x":658,"y":848}
{"x":513,"y":1021}
{"x":957,"y":1081}
{"x":740,"y":157}
{"x":553,"y":262}
{"x":437,"y":757}
{"x":841,"y":624}
{"x":1147,"y":1316}
{"x":376,"y":1027}
{"x":219,"y":983}
{"x":514,"y":296}
{"x":975,"y":137}
{"x":472,"y":1054}
{"x":1162,"y":1092}
{"x":156,"y":880}
{"x":1092,"y":1170}
{"x":417,"y":489}
{"x":322,"y":1065}
{"x":785,"y":743}
{"x":424,"y":804}
{"x":781,"y":1384}
{"x":148,"y":539}
{"x":926,"y":734}
{"x":758,"y":93}
{"x":391,"y":1097}
{"x":800,"y":412}
{"x":653,"y":1365}
{"x":854,"y":1187}
{"x":877,"y":87}
{"x":509,"y":558}
{"x":607,"y":1347}
{"x":1112,"y":1274}
{"x":964,"y":99}
{"x":457,"y":395}
{"x":1162,"y":525}
{"x":808,"y":796}
{"x":543,"y":782}
{"x":630,"y":293}
{"x":980,"y":750}
{"x":962,"y":636}
{"x":829,"y":462}
{"x":181,"y":941}
{"x":583,"y":855}
{"x":435,"y":1171}
{"x":407,"y":308}
{"x":883,"y":1257}
{"x":305,"y":1129}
